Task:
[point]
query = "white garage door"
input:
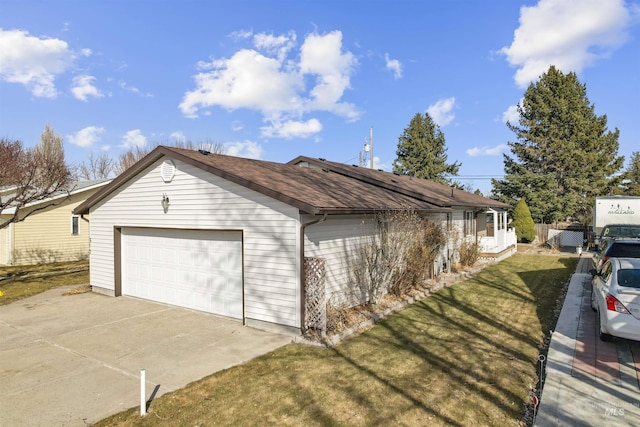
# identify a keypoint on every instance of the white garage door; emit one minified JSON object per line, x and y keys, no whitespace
{"x":201,"y":270}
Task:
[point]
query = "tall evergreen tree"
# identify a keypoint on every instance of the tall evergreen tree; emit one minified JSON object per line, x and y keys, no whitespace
{"x":564,"y":155}
{"x":631,"y":176}
{"x":422,"y":153}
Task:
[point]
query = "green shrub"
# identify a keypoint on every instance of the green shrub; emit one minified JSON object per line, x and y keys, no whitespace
{"x":523,"y":223}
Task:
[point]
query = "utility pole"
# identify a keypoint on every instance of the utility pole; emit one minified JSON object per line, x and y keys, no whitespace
{"x":371,"y":147}
{"x":366,"y":156}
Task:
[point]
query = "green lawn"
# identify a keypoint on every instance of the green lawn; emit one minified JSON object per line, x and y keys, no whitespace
{"x":464,"y":356}
{"x":25,"y":281}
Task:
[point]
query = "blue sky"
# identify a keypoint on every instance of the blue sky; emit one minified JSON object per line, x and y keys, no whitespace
{"x":277,"y":79}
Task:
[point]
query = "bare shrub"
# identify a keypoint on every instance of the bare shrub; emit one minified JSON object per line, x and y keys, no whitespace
{"x":469,"y":253}
{"x":428,"y":239}
{"x":397,"y":256}
{"x":433,"y":238}
{"x":415,"y":271}
{"x":377,"y":263}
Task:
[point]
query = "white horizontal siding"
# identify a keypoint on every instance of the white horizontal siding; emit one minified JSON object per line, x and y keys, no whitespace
{"x":334,"y":240}
{"x":45,"y":236}
{"x":200,"y":200}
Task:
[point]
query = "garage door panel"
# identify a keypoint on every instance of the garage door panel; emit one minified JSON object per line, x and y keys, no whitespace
{"x":201,"y":270}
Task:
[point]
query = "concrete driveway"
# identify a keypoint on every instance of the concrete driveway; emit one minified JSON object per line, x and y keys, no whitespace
{"x":73,"y":360}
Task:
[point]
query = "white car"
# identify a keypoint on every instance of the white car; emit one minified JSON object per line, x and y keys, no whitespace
{"x":615,"y":297}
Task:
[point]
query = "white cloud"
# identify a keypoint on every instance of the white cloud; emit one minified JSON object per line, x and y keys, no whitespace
{"x":134,"y":138}
{"x":322,"y":56}
{"x":246,"y":80}
{"x":178,"y":136}
{"x":568,"y":34}
{"x":128,"y":88}
{"x":86,"y":137}
{"x":486,"y":151}
{"x":33,"y":62}
{"x":442,"y":111}
{"x":86,"y":52}
{"x":247,"y":149}
{"x":242,"y":34}
{"x":237,"y":125}
{"x":377,"y":164}
{"x":393,"y":65}
{"x":511,"y":115}
{"x":134,"y":89}
{"x":275,"y":45}
{"x":83,"y":87}
{"x":292,"y":129}
{"x":270,"y":78}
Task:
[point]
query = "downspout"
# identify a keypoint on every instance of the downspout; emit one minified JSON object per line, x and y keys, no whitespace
{"x":303,"y":295}
{"x":10,"y":244}
{"x":475,"y":219}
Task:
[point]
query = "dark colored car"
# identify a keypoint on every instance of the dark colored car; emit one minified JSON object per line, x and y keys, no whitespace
{"x":617,"y":248}
{"x":615,"y":231}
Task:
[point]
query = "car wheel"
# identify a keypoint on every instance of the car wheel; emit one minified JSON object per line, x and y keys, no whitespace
{"x":603,"y":337}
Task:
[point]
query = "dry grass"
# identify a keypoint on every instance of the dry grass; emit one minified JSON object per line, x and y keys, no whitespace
{"x":20,"y":282}
{"x":465,"y":355}
{"x":82,"y":289}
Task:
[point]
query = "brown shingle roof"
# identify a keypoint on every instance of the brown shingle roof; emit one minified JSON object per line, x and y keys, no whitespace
{"x":422,"y":189}
{"x":313,"y":191}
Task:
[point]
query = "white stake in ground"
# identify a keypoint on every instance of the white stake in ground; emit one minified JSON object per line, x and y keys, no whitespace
{"x":143,"y":393}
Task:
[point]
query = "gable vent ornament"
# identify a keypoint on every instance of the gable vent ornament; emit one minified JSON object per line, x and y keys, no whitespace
{"x":167,"y":170}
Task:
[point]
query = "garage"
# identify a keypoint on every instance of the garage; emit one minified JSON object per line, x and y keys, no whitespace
{"x":196,"y":269}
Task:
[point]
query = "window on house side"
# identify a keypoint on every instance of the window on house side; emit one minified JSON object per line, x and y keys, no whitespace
{"x":468,"y":223}
{"x":490,"y":225}
{"x":75,"y":225}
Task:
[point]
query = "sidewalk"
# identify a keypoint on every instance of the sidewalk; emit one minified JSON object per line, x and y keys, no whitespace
{"x":588,"y":382}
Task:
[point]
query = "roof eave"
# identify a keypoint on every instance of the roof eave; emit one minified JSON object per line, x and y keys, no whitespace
{"x":85,"y":206}
{"x":161,"y":151}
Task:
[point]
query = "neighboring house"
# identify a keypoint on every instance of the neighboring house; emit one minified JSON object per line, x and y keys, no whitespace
{"x":48,"y":231}
{"x":230,"y":236}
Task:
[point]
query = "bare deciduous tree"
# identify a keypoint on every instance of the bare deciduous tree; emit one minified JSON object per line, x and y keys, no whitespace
{"x":31,"y":175}
{"x":96,"y":167}
{"x":129,"y":158}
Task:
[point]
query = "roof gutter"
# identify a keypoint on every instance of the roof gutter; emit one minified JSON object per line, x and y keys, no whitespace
{"x":303,"y":295}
